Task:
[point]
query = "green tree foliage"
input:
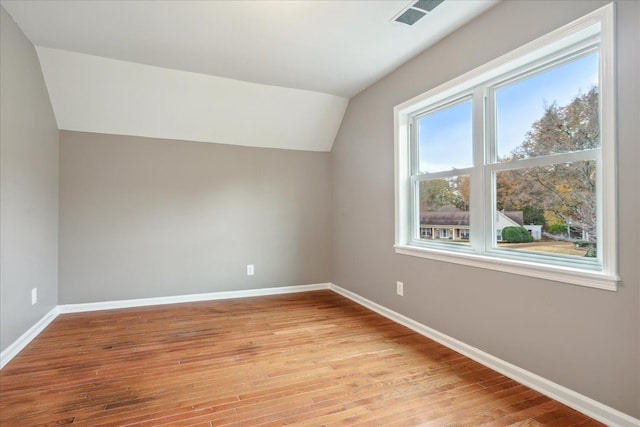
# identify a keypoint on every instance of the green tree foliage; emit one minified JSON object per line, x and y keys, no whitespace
{"x":567,"y":190}
{"x":533,"y":215}
{"x":557,"y":228}
{"x":445,"y":195}
{"x":516,"y":235}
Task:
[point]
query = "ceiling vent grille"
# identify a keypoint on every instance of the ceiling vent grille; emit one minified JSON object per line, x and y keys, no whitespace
{"x":427,"y":5}
{"x":418,"y":10}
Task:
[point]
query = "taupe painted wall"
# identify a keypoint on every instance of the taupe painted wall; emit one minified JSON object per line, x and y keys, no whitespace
{"x":28,"y":187}
{"x":585,"y":339}
{"x":145,"y":217}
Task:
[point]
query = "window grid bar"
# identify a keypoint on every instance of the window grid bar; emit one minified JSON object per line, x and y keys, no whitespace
{"x":548,"y":160}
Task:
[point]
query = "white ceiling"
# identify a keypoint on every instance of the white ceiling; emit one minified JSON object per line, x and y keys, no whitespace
{"x":294,"y":61}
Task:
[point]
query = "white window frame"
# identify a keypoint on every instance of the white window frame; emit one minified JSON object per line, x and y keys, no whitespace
{"x":481,"y":252}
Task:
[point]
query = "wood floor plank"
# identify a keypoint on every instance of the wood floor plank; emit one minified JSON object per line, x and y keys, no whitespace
{"x":308,"y":359}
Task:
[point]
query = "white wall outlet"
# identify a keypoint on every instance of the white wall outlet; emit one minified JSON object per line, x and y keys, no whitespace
{"x":400,"y":288}
{"x":34,"y":296}
{"x":250,"y":270}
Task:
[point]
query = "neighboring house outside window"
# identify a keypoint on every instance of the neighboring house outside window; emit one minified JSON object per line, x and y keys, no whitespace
{"x":454,"y":225}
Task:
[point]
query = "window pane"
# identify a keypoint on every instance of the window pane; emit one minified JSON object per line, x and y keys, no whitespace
{"x":444,"y":209}
{"x":555,"y":111}
{"x":549,"y":209}
{"x":444,"y":139}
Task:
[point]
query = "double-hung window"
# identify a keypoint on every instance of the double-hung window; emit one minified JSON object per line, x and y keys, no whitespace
{"x":512,"y":166}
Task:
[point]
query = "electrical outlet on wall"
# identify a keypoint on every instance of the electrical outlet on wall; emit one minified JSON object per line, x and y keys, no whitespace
{"x":400,"y":288}
{"x":34,"y":296}
{"x":250,"y":270}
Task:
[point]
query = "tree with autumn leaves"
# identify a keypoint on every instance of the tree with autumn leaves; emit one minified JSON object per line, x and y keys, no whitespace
{"x":564,"y":193}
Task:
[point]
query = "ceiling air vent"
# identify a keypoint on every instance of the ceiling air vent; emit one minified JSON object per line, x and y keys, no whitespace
{"x":427,"y":5}
{"x":415,"y":12}
{"x":410,"y":16}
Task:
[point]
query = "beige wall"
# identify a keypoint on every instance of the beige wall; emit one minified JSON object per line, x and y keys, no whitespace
{"x":146,"y":217}
{"x":28,"y":187}
{"x":585,"y":339}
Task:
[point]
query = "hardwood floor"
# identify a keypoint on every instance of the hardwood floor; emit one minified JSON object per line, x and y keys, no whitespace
{"x":308,"y":359}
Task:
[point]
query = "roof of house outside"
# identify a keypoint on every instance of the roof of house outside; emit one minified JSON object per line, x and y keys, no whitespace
{"x":516,"y":216}
{"x":445,"y":218}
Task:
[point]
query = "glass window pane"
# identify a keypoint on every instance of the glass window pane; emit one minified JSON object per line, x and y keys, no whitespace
{"x":444,"y":139}
{"x":550,"y":209}
{"x":552,"y":112}
{"x":444,"y":209}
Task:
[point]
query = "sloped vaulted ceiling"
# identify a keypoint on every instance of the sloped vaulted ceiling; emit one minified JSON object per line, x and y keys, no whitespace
{"x":257,"y":73}
{"x":96,"y":94}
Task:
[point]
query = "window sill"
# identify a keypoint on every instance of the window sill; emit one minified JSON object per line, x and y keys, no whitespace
{"x":592,"y":279}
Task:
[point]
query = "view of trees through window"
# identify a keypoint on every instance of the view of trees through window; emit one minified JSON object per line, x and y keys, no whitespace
{"x":444,"y":209}
{"x":555,"y":202}
{"x":561,"y":198}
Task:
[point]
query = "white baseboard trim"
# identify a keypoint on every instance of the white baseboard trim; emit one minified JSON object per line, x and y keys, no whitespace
{"x":142,"y":302}
{"x":594,"y":409}
{"x":24,"y":339}
{"x":15,"y":348}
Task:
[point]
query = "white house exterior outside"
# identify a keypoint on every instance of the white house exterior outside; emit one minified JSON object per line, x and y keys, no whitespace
{"x":455,"y":225}
{"x":534,"y":230}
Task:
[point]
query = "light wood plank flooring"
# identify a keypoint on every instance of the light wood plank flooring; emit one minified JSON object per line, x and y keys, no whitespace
{"x":307,"y":359}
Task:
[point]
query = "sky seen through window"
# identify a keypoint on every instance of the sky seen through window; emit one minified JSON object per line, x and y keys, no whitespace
{"x":445,"y":139}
